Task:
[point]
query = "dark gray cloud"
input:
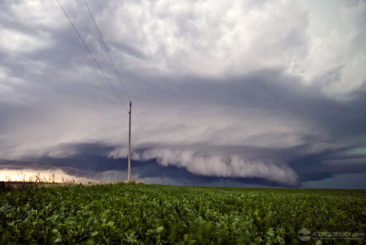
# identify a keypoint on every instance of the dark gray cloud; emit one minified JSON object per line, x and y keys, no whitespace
{"x":238,"y":93}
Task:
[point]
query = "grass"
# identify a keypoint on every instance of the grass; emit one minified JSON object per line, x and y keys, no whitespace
{"x":154,"y":214}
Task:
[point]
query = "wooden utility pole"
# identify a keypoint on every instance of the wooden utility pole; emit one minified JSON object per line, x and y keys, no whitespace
{"x":129,"y":143}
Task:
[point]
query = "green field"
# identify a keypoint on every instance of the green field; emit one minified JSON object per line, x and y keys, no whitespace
{"x":153,"y":214}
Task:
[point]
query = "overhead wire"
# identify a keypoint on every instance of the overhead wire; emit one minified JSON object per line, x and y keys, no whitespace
{"x":139,"y":126}
{"x":140,"y":129}
{"x":106,"y":48}
{"x":91,"y":54}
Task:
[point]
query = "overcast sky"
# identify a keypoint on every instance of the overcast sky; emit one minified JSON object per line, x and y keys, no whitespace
{"x":238,"y":93}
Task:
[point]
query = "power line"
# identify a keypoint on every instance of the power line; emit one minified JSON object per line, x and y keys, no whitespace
{"x":140,"y":129}
{"x":97,"y":63}
{"x":107,"y":51}
{"x":91,"y":54}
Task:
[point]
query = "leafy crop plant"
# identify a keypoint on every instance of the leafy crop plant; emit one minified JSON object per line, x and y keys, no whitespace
{"x":154,"y":214}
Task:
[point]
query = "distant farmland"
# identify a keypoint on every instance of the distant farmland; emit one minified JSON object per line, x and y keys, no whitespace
{"x":153,"y":214}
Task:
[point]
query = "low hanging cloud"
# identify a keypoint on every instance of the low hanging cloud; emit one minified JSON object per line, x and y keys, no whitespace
{"x":219,"y":166}
{"x":239,"y":90}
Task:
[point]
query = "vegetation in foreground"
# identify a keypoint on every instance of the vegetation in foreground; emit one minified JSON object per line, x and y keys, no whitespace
{"x":153,"y":214}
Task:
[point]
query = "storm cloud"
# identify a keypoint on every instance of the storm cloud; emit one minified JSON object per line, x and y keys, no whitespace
{"x":224,"y":93}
